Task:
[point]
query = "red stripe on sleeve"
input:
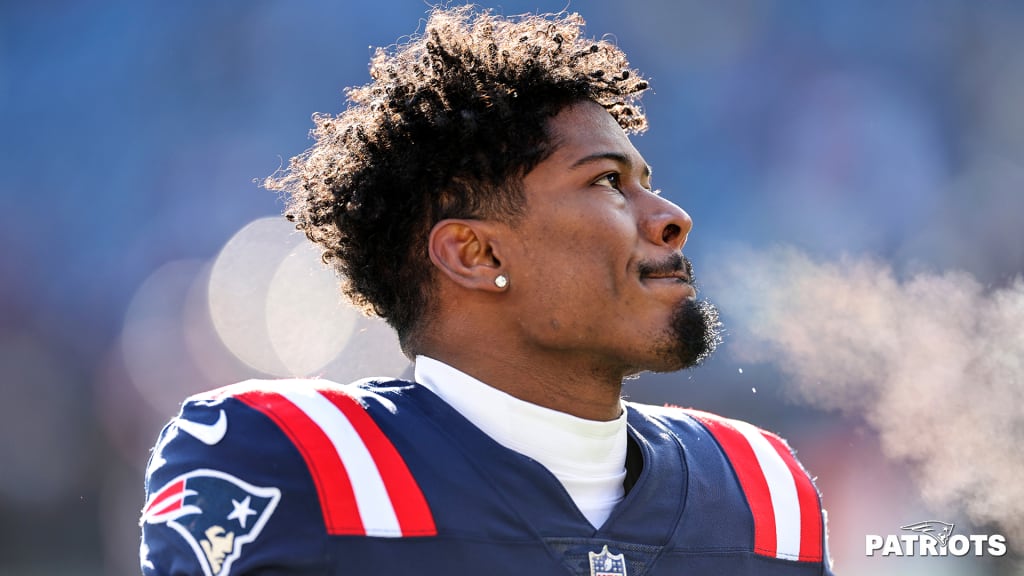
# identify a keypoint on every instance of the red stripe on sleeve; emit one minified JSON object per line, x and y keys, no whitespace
{"x":750,"y":476}
{"x":807,"y":494}
{"x":411,"y":509}
{"x":337,"y":500}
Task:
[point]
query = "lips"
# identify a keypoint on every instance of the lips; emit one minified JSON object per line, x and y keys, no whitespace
{"x":669,"y":276}
{"x":671,"y":280}
{"x":679,"y":276}
{"x":669,"y":288}
{"x":674,"y":267}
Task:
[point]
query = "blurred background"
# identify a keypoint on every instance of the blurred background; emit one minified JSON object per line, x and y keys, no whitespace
{"x":855,"y":171}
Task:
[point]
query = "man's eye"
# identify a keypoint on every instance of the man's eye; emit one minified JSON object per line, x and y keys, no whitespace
{"x":610,"y":180}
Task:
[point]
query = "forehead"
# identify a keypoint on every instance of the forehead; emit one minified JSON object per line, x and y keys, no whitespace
{"x":585,"y":129}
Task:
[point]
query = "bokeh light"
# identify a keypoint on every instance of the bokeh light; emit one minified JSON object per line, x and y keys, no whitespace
{"x":279,"y":310}
{"x":238,"y":287}
{"x":155,"y":353}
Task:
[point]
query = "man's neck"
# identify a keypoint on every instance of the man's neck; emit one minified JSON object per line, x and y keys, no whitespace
{"x":576,"y":386}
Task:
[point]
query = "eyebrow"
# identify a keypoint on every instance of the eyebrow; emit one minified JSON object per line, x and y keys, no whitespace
{"x":614,"y":156}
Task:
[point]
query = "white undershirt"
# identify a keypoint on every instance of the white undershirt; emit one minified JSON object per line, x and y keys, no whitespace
{"x":587,"y":456}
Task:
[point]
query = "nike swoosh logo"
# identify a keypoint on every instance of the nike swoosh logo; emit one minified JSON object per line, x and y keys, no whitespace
{"x":209,"y":434}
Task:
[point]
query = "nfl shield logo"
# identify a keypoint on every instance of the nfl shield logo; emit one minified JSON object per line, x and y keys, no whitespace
{"x":607,"y":564}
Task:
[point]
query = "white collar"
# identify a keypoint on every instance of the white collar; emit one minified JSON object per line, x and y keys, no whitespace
{"x":587,"y":456}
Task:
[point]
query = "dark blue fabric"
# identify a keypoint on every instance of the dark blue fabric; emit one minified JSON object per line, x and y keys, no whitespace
{"x":496,"y":511}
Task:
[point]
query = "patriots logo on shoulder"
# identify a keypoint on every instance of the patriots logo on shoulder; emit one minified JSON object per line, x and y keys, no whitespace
{"x":940,"y":531}
{"x":607,"y":564}
{"x":216,"y":513}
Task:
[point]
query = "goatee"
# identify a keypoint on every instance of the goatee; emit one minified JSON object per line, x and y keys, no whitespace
{"x":696,"y":332}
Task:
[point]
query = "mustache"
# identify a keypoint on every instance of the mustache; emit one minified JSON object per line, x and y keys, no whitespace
{"x":674,"y":264}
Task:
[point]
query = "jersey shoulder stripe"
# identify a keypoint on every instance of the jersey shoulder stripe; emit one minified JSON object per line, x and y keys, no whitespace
{"x":781,"y":496}
{"x":364,"y":486}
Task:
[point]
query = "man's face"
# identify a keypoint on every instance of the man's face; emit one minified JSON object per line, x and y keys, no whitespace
{"x":597,"y":272}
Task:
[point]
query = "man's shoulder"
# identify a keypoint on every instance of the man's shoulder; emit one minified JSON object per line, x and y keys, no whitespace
{"x":740,"y":441}
{"x":248,"y":391}
{"x":292,"y":431}
{"x":247,"y":423}
{"x":783,"y":500}
{"x":293,"y":460}
{"x":689,"y":421}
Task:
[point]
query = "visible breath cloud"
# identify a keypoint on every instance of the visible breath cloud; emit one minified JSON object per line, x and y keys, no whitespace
{"x":933,"y":361}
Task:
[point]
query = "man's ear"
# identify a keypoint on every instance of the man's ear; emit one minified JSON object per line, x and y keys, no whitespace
{"x":467,"y":252}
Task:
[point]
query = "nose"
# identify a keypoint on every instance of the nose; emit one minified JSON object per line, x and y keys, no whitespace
{"x":665,"y":223}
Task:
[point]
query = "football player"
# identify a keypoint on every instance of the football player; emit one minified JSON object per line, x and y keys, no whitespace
{"x":482,"y":195}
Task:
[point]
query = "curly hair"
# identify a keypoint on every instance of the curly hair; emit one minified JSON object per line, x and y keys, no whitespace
{"x":447,"y":128}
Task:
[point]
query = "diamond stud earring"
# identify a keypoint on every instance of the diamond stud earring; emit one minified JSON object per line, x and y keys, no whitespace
{"x":501,"y":281}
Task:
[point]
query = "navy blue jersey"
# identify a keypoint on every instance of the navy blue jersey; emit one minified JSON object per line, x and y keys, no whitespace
{"x":384,"y":477}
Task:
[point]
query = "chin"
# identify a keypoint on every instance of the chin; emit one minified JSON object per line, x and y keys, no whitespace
{"x":693,"y":334}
